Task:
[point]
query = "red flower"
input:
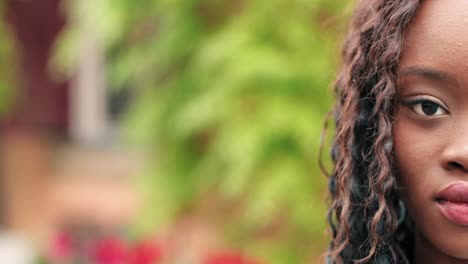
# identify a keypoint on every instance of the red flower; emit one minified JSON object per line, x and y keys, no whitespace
{"x":146,"y":252}
{"x":61,"y":248}
{"x":111,"y":250}
{"x":229,"y":258}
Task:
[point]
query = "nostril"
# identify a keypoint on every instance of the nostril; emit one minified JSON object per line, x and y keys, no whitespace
{"x":456,"y":165}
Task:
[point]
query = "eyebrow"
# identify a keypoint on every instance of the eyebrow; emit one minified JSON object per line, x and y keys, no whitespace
{"x":428,"y":73}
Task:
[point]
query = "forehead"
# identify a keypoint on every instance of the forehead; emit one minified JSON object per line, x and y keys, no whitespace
{"x":438,"y":35}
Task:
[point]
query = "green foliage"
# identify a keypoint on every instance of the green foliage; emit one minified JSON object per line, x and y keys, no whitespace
{"x":231,"y":96}
{"x":6,"y":69}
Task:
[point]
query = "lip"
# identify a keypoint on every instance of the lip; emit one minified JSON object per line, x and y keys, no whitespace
{"x":452,"y":201}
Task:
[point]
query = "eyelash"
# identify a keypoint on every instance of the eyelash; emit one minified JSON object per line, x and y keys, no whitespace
{"x":413,"y":103}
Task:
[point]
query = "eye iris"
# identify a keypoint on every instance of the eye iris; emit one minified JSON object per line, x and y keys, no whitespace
{"x":429,"y":108}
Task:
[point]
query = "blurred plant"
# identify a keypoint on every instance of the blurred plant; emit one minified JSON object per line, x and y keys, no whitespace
{"x":229,"y":258}
{"x":111,"y":250}
{"x":6,"y":63}
{"x":75,"y":247}
{"x":230,"y":97}
{"x":94,"y":248}
{"x":146,"y":252}
{"x":61,"y":248}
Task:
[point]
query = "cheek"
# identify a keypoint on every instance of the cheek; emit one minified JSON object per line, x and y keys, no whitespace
{"x":415,"y":155}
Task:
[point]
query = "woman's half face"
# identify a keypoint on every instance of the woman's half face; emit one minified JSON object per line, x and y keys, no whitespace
{"x":431,"y":130}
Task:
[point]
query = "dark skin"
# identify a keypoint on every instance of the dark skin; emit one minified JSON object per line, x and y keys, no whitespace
{"x":431,"y":128}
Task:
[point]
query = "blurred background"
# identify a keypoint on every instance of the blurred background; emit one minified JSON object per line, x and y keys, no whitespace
{"x":165,"y":131}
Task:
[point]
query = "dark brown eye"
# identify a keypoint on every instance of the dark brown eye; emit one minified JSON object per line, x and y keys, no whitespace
{"x":427,"y":108}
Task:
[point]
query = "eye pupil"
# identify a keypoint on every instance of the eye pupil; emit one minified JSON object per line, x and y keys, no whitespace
{"x":429,"y":108}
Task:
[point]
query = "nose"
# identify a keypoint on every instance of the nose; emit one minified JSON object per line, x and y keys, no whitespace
{"x":455,"y":155}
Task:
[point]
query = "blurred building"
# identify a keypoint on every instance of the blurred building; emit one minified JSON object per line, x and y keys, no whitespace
{"x":61,"y":160}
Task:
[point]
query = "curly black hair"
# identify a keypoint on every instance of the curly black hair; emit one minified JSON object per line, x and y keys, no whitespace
{"x":363,"y":215}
